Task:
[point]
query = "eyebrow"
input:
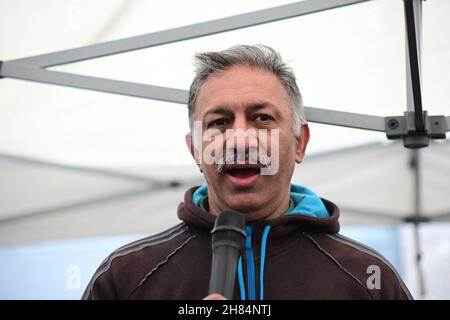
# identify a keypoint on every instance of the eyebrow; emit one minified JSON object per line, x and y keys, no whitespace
{"x":263,"y":105}
{"x":218,"y":110}
{"x":252,"y":107}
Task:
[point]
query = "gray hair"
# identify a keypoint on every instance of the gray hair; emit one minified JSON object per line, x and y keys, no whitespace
{"x":258,"y":56}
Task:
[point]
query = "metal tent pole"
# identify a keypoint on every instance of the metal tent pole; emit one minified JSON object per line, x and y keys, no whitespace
{"x":416,"y":166}
{"x":413,"y":24}
{"x":413,"y":48}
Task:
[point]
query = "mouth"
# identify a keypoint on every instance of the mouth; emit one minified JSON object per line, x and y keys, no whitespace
{"x":242,"y":175}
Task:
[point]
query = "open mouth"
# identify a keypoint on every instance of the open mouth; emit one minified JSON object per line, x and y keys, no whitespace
{"x":243,"y":172}
{"x":242,"y":175}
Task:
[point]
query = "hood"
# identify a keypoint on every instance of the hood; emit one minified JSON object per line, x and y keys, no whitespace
{"x":310,"y":212}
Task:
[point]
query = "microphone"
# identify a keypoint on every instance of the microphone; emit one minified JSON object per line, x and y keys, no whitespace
{"x":228,"y":236}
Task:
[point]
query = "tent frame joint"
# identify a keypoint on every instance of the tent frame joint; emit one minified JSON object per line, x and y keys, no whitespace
{"x":416,"y":220}
{"x":397,"y":127}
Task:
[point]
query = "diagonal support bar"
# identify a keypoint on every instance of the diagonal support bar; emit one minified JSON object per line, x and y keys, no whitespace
{"x":345,"y":119}
{"x":317,"y":115}
{"x":82,"y":169}
{"x":371,"y":213}
{"x":57,"y":209}
{"x":442,"y":216}
{"x":184,"y":33}
{"x":23,"y":72}
{"x":325,"y":116}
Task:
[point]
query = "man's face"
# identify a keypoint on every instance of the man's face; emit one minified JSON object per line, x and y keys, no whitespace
{"x":243,"y":98}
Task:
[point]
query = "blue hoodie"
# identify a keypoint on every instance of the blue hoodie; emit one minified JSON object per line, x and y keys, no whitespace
{"x":302,"y":201}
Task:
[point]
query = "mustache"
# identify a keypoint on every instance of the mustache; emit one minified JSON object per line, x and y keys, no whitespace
{"x":251,"y":156}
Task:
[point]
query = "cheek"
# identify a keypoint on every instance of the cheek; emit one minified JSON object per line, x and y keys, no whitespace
{"x":209,"y":176}
{"x":209,"y":170}
{"x":213,"y":150}
{"x":210,"y":173}
{"x":286,"y":148}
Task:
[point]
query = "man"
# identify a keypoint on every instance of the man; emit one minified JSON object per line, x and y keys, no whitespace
{"x":238,"y":97}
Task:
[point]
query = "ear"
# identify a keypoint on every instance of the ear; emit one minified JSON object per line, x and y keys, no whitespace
{"x":302,"y":142}
{"x":192,"y":149}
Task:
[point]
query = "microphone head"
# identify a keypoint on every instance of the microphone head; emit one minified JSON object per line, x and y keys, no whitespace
{"x":229,"y":229}
{"x":229,"y":219}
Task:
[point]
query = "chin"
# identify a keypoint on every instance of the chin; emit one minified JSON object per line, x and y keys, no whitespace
{"x":246,"y":202}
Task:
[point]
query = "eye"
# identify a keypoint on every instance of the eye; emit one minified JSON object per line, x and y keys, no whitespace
{"x":264,"y":118}
{"x":218,"y":122}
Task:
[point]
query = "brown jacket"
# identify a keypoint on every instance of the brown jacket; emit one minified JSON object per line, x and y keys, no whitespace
{"x":306,"y":258}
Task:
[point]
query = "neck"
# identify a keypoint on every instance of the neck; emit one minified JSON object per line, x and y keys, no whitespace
{"x":269,"y":211}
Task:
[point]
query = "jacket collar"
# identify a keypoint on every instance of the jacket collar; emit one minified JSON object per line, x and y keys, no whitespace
{"x":197,"y":217}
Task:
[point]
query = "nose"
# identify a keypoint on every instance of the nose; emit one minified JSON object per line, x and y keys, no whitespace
{"x":243,"y":136}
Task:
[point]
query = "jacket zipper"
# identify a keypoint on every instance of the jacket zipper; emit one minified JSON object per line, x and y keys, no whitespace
{"x":250,"y":263}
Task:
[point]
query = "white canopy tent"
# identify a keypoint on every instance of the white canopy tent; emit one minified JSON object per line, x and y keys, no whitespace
{"x":81,"y":163}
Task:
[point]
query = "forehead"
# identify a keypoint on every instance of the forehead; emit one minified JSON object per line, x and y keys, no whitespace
{"x":241,"y":86}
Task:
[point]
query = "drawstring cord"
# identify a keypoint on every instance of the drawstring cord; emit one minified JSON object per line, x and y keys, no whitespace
{"x":241,"y":279}
{"x":263,"y":260}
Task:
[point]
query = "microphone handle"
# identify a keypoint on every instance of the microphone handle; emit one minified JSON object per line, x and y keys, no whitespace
{"x":223,"y":270}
